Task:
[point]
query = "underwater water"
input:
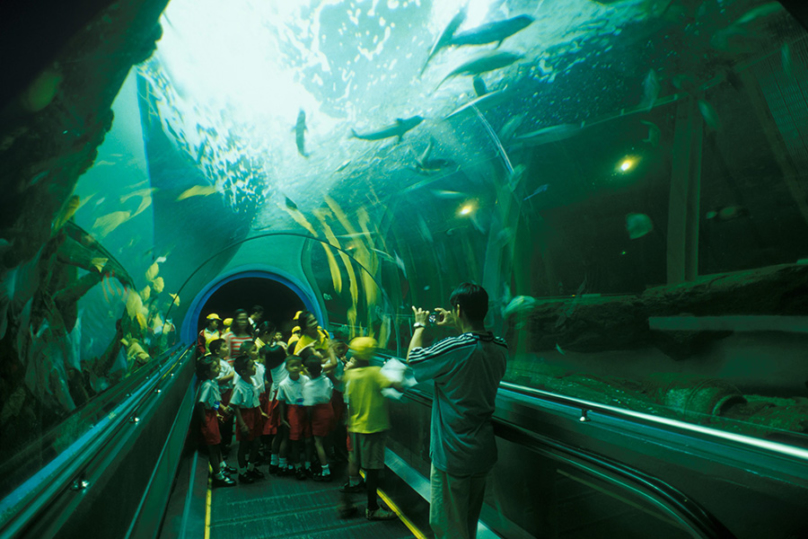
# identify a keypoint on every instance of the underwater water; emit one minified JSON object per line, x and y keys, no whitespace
{"x":627,"y":179}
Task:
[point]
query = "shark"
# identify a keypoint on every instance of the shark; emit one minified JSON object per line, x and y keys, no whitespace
{"x":398,"y":129}
{"x":485,"y":62}
{"x":493,"y":32}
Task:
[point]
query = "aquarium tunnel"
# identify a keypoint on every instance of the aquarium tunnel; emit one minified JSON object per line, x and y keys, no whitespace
{"x":628,"y":180}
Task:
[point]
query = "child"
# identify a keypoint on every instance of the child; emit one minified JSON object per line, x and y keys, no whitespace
{"x":249,"y":348}
{"x":248,"y":414}
{"x":226,"y":380}
{"x":293,"y":412}
{"x":274,"y":357}
{"x":368,"y":419}
{"x":209,"y":400}
{"x":317,"y":397}
{"x":208,"y":334}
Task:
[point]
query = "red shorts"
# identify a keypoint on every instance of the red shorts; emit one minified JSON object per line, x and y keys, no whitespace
{"x":251,"y":416}
{"x":210,"y":428}
{"x":226,"y":396}
{"x":298,"y":424}
{"x":338,"y":403}
{"x":321,"y":417}
{"x":272,"y":424}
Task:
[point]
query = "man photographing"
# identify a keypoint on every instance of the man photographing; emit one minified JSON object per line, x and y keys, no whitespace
{"x":467,"y":370}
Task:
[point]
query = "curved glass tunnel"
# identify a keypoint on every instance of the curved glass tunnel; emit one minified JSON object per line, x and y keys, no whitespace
{"x":627,"y":179}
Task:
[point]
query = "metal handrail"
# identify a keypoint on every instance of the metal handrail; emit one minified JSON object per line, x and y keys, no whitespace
{"x":23,"y":504}
{"x":585,"y":406}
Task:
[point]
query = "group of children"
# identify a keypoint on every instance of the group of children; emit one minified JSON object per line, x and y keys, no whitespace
{"x":290,"y":396}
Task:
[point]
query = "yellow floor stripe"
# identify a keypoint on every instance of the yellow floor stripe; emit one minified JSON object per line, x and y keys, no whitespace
{"x":407,"y":522}
{"x":207,"y":510}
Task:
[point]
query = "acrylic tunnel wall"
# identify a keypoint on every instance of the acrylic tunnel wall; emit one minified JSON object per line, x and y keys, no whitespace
{"x":626,"y":179}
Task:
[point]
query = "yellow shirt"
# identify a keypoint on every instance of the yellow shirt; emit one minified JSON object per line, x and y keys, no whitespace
{"x":367,"y":407}
{"x":322,"y":343}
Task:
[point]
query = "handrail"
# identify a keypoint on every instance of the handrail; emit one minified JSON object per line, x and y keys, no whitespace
{"x":672,"y":500}
{"x":586,"y":406}
{"x":65,"y":471}
{"x":655,"y":491}
{"x":657,"y":421}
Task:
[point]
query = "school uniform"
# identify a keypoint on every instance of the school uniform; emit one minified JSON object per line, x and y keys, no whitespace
{"x":225,"y":387}
{"x":291,"y":392}
{"x":278,"y":374}
{"x":210,"y":398}
{"x":317,"y":397}
{"x":259,"y":380}
{"x":245,"y":397}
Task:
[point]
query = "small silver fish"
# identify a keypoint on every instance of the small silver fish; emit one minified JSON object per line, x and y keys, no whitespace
{"x":650,"y":90}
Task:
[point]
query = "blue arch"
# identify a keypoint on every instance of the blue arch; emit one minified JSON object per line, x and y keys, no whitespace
{"x":302,"y":289}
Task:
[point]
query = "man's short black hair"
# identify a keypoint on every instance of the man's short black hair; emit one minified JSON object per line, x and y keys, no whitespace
{"x":473,"y":300}
{"x":257,"y":309}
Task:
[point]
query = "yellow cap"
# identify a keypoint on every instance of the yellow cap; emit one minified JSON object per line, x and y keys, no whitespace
{"x":213,"y":316}
{"x":296,"y":329}
{"x":227,"y":322}
{"x":297,"y":315}
{"x":364,"y":347}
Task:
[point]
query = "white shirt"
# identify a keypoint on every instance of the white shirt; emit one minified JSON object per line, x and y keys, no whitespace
{"x":279,"y":374}
{"x":291,"y":391}
{"x":209,"y":395}
{"x":245,"y":395}
{"x":259,"y":380}
{"x":317,"y":391}
{"x":225,"y":370}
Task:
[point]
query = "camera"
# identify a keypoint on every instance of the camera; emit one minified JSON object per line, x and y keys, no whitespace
{"x":433,"y":318}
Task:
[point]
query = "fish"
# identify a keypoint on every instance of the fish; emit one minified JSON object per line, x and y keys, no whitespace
{"x":289,"y":204}
{"x":399,"y":129}
{"x":492,"y":32}
{"x":545,"y":135}
{"x":425,"y":163}
{"x":638,"y":225}
{"x":541,"y":189}
{"x":519,"y":305}
{"x":560,"y":351}
{"x":654,"y":133}
{"x":479,"y":86}
{"x":300,"y":133}
{"x":160,"y":259}
{"x":515,"y":176}
{"x":727,"y":213}
{"x":710,"y":115}
{"x":761,"y":11}
{"x":488,"y":100}
{"x":197,"y":191}
{"x":447,"y":194}
{"x":66,"y":212}
{"x":35,"y":180}
{"x":650,"y":90}
{"x":445,"y":38}
{"x":785,"y":58}
{"x":483,"y":63}
{"x":110,"y":222}
{"x":510,"y":127}
{"x":344,"y":165}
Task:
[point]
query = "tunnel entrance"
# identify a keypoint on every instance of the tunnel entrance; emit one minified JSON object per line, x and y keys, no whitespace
{"x":280,"y":303}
